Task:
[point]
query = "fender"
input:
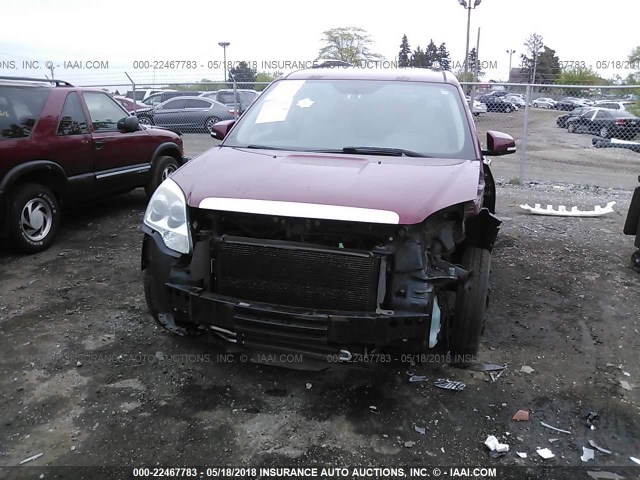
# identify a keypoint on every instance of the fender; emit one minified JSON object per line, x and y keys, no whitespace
{"x":632,"y":222}
{"x":482,"y":230}
{"x":489,"y":200}
{"x":45,"y":166}
{"x":165,"y":147}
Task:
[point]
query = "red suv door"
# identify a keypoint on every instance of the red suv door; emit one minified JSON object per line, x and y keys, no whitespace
{"x":122,"y":159}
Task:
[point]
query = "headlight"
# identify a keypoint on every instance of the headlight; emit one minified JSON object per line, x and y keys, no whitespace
{"x":167,"y":215}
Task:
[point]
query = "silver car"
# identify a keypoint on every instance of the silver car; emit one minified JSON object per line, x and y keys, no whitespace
{"x":186,"y":114}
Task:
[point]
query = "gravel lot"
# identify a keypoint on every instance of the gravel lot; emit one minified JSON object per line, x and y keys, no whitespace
{"x":87,"y":378}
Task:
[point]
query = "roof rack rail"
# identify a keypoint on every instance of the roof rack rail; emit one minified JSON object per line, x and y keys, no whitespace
{"x":58,"y":83}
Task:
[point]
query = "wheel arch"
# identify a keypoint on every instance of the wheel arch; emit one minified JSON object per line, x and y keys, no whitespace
{"x":45,"y":172}
{"x":167,"y":149}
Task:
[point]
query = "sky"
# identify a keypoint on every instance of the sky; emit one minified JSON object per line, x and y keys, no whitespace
{"x":125,"y":33}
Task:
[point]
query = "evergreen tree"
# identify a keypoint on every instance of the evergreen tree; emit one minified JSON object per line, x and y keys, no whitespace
{"x":243,"y":73}
{"x":404,"y":59}
{"x":431,"y":54}
{"x":443,"y":57}
{"x":473,"y":64}
{"x":418,"y":59}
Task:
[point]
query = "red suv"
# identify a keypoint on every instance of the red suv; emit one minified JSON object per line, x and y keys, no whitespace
{"x":60,"y":144}
{"x":347,"y":211}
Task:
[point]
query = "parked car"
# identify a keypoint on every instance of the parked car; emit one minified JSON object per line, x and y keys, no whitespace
{"x":561,"y":121}
{"x":517,"y":100}
{"x":544,"y":102}
{"x":186,"y":114}
{"x":477,"y":108}
{"x":129,"y":105}
{"x":243,"y":99}
{"x":61,"y":145}
{"x":606,"y":123}
{"x":158,"y":98}
{"x":632,"y":226}
{"x":614,"y":105}
{"x":495,"y":103}
{"x":316,"y":228}
{"x":569,"y":103}
{"x":143,"y":94}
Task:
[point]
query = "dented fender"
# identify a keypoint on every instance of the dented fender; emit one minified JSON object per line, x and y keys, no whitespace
{"x":482,"y":230}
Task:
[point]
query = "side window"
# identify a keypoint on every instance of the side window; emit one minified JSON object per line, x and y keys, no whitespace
{"x":104,"y":112}
{"x":72,"y":120}
{"x":600,"y":115}
{"x":174,"y":104}
{"x":196,"y":104}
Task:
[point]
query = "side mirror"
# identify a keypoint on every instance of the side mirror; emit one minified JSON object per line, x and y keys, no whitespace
{"x":499,"y":143}
{"x":129,"y":124}
{"x":221,"y":129}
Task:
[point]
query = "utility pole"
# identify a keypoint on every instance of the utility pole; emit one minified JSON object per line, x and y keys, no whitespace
{"x":510,"y":52}
{"x":224,"y":46}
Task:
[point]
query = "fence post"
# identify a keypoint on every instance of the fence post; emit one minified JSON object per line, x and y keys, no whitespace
{"x":135,"y":102}
{"x":523,"y":151}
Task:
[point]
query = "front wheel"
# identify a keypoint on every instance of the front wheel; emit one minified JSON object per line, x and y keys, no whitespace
{"x":34,"y":218}
{"x":210,"y":122}
{"x":472,"y":301}
{"x":144,"y":120}
{"x":604,"y":132}
{"x":162,"y":169}
{"x":571,"y":128}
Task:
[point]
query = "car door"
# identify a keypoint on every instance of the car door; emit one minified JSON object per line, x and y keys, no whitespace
{"x":170,"y":113}
{"x":196,"y":112}
{"x":73,"y":148}
{"x":601,"y":118}
{"x":121,"y":159}
{"x":585,"y":121}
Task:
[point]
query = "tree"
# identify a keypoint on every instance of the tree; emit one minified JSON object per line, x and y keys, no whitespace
{"x":263,"y":77}
{"x":578,"y":76}
{"x":529,"y":60}
{"x":404,"y":59}
{"x":474,"y":65}
{"x":443,"y":57}
{"x":418,"y":59}
{"x":635,"y":56}
{"x":431,"y":54}
{"x":349,"y":44}
{"x":243,"y":74}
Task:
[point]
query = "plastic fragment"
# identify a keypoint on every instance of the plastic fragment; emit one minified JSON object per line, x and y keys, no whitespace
{"x":626,"y":385}
{"x":554,"y":428}
{"x":521,"y":454}
{"x":373,"y":409}
{"x":409,"y":444}
{"x":545,"y":453}
{"x":574,"y":212}
{"x":447,"y":384}
{"x":32,"y":458}
{"x":553,"y":440}
{"x":527,"y":369}
{"x":521,"y":416}
{"x":602,"y":475}
{"x":418,"y":378}
{"x":494,"y":445}
{"x":600,"y":449}
{"x":420,"y":430}
{"x":587,"y":454}
{"x":634,"y":460}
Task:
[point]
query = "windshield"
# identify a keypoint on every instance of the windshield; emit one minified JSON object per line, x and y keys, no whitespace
{"x":330,"y":115}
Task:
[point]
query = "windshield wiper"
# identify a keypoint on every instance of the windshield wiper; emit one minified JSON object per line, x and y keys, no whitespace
{"x":394,"y":152}
{"x":258,"y":147}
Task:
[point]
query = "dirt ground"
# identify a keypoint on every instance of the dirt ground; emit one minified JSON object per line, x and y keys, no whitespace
{"x":87,"y":378}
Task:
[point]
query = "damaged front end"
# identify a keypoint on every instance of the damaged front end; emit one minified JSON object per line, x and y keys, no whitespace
{"x":313,"y":286}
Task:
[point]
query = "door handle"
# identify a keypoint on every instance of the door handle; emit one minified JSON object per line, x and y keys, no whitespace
{"x":99,"y":144}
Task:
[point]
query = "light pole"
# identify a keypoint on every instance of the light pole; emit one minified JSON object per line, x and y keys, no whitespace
{"x":510,"y":52}
{"x":466,"y":54}
{"x":224,"y":46}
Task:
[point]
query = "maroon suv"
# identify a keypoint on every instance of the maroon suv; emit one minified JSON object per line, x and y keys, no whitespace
{"x":60,"y":144}
{"x":347,"y":211}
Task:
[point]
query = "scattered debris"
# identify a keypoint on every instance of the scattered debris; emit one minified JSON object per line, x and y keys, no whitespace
{"x":486,"y":367}
{"x":574,"y":212}
{"x":521,"y":416}
{"x":545,"y":453}
{"x":626,"y":385}
{"x":553,"y":440}
{"x":605,"y":476}
{"x":442,"y":449}
{"x":309,"y":386}
{"x":35,"y":457}
{"x":527,"y":369}
{"x":494,"y":445}
{"x":79,"y":364}
{"x":521,"y":454}
{"x":373,"y":409}
{"x":409,"y":444}
{"x":615,"y":143}
{"x":495,"y":374}
{"x":600,"y":449}
{"x":554,"y":428}
{"x":634,"y":460}
{"x":447,"y":384}
{"x":591,"y":419}
{"x":420,"y":430}
{"x":497,"y":454}
{"x":418,"y":378}
{"x":587,"y":454}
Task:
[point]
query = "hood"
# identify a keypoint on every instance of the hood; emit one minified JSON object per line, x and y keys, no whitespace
{"x":411,"y":188}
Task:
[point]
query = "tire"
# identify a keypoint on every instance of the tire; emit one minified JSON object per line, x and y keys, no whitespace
{"x":635,"y":261}
{"x":34,"y":218}
{"x":472,"y":300}
{"x":507,"y":109}
{"x":571,"y":128}
{"x":144,"y":120}
{"x":535,"y":105}
{"x":162,"y":169}
{"x":210,"y":122}
{"x":604,"y":132}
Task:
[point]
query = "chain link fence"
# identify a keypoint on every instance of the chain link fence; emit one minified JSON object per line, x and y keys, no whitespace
{"x":564,"y":133}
